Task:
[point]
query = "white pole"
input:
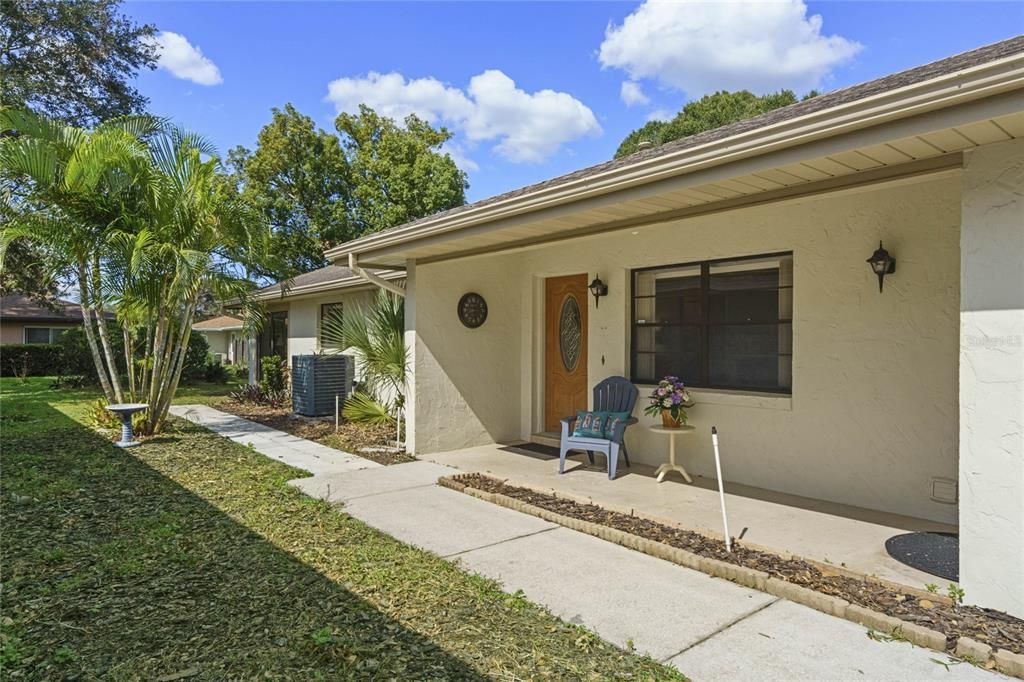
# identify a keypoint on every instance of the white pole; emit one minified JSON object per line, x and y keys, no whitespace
{"x":336,"y":412}
{"x":721,"y":489}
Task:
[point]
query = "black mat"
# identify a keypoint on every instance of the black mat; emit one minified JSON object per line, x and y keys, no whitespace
{"x":533,"y":447}
{"x":935,"y":553}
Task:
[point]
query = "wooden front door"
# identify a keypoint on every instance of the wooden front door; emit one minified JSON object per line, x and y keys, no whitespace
{"x":565,"y":348}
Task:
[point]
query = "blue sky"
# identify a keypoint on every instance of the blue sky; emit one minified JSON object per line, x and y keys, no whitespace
{"x":531,"y":90}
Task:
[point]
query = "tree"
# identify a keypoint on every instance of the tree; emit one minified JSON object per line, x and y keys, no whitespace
{"x":707,"y":113}
{"x":136,"y":209}
{"x":298,"y":178}
{"x":73,"y":60}
{"x":397,"y":173}
{"x":318,"y":189}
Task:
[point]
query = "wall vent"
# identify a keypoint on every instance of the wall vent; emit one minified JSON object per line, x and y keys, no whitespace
{"x":944,"y":490}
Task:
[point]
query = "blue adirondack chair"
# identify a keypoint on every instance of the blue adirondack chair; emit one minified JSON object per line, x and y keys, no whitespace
{"x":614,"y":394}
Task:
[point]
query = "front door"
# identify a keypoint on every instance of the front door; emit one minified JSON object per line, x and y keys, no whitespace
{"x":565,"y":348}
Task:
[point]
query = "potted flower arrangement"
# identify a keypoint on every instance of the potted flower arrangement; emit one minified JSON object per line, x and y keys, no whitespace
{"x":669,"y":399}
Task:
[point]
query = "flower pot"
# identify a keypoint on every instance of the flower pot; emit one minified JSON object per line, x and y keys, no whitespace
{"x":668,"y":422}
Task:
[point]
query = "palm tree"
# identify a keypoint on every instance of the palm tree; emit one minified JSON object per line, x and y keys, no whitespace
{"x":376,"y":336}
{"x":137,"y":208}
{"x":76,"y":184}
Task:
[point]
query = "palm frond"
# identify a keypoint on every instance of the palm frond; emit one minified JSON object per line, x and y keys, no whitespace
{"x":363,"y":408}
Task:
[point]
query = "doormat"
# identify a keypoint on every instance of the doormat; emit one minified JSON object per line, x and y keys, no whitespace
{"x":935,"y":553}
{"x":533,"y":447}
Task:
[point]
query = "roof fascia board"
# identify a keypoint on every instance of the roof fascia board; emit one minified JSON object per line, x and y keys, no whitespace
{"x":982,"y":81}
{"x":349,"y":283}
{"x":932,"y":168}
{"x":936,"y":120}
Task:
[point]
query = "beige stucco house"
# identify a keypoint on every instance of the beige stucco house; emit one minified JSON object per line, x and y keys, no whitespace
{"x":296,"y":307}
{"x":226,"y":338}
{"x":22,"y":320}
{"x":735,"y":259}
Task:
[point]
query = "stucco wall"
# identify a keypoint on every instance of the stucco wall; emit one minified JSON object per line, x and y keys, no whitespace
{"x":14,"y":332}
{"x":218,"y":341}
{"x":467,"y":380}
{"x":304,"y":317}
{"x":992,"y":378}
{"x":873,"y":413}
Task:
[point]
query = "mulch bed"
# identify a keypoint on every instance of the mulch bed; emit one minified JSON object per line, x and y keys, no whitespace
{"x":995,"y":628}
{"x":350,"y":437}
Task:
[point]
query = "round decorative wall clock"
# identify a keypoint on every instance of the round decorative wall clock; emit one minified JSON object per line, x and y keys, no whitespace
{"x":472,"y":310}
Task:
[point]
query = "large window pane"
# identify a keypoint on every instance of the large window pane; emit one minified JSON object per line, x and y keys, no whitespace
{"x":749,"y":305}
{"x":720,"y":324}
{"x":37,"y":335}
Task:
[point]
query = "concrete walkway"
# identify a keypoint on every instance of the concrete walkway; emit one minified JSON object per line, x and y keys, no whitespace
{"x":710,"y":629}
{"x":298,"y":452}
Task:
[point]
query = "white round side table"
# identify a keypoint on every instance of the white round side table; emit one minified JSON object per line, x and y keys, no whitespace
{"x":672,"y":465}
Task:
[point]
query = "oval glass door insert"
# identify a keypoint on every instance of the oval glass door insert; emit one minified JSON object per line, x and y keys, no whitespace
{"x":570,"y":333}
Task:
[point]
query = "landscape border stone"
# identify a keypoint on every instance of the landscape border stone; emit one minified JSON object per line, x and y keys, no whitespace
{"x":977,"y":653}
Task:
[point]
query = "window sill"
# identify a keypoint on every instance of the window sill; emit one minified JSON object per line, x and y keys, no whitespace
{"x":721,"y":396}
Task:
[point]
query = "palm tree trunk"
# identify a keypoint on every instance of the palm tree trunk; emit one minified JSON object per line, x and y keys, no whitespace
{"x":128,"y":355}
{"x":101,"y":324}
{"x":177,"y":365}
{"x":101,"y":371}
{"x":146,"y":357}
{"x":159,"y":360}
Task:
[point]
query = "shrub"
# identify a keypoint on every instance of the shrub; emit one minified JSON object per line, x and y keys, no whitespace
{"x":76,"y":360}
{"x":28,"y":359}
{"x":98,"y":416}
{"x":196,"y":356}
{"x":258,"y":395}
{"x":273,"y":374}
{"x":214,"y":372}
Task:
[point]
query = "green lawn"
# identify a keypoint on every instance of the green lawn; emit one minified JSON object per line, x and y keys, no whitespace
{"x":190,"y":555}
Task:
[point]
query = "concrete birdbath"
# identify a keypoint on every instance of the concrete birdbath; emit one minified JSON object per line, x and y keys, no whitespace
{"x":125,"y":412}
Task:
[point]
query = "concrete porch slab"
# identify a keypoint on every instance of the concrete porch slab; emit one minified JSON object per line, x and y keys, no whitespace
{"x":792,"y":642}
{"x":441,"y":520}
{"x":346,"y":486}
{"x":621,"y":594}
{"x":815,"y":529}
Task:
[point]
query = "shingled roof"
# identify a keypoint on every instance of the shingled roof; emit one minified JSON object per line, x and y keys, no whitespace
{"x":19,"y":308}
{"x":218,"y":324}
{"x":942,"y":67}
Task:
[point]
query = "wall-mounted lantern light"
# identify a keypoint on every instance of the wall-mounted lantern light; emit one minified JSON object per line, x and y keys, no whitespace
{"x":882,"y":264}
{"x":598,"y":289}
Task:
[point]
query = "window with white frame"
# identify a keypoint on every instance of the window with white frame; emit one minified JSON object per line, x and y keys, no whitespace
{"x":332,"y":312}
{"x":43,"y":335}
{"x":715,"y":324}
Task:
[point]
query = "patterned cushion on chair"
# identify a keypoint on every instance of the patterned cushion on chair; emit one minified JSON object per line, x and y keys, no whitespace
{"x":613,"y":420}
{"x":590,"y":424}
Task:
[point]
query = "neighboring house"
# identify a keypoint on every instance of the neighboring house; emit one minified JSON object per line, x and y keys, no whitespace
{"x":224,"y":336}
{"x":22,"y":320}
{"x":736,"y":259}
{"x":296,"y":307}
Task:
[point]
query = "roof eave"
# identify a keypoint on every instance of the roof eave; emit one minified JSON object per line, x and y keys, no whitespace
{"x":354,"y":283}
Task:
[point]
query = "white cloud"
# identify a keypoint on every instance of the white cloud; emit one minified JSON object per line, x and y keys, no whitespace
{"x":661,"y":115}
{"x":632,"y":94}
{"x":184,"y":60}
{"x":458,"y":154}
{"x":701,"y":47}
{"x":524,"y":127}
